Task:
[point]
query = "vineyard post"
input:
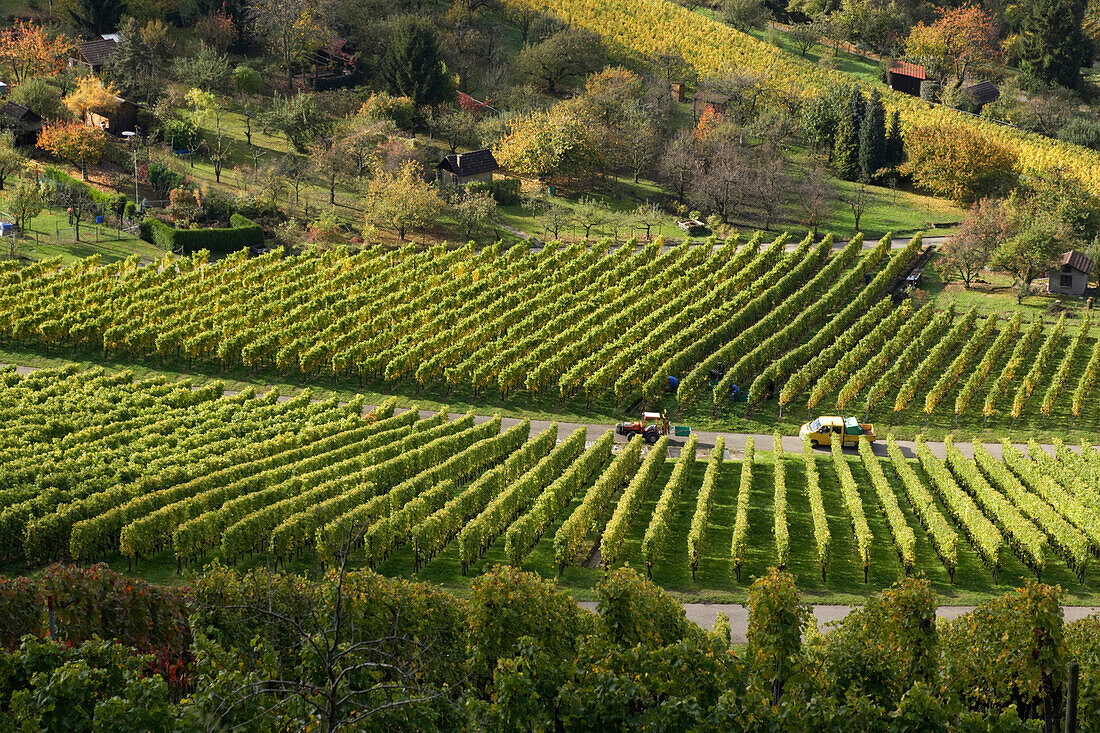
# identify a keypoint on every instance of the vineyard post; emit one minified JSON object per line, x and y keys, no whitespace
{"x":50,"y":617}
{"x":1071,"y":698}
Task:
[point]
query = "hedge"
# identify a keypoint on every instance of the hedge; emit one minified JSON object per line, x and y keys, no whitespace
{"x":241,"y":233}
{"x":505,"y":191}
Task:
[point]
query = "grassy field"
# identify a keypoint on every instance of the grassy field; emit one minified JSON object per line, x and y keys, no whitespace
{"x":995,"y":295}
{"x":715,"y":580}
{"x":50,"y":235}
{"x":860,"y":68}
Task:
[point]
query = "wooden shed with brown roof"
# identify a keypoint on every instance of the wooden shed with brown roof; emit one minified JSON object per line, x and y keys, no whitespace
{"x":121,"y":118}
{"x":21,"y":121}
{"x":906,"y":77}
{"x":94,"y":54}
{"x":982,"y":93}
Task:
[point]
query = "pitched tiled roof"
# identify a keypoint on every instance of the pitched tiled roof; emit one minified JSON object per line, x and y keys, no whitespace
{"x":470,"y":164}
{"x":18,"y":112}
{"x":983,"y":92}
{"x":1077,"y":261}
{"x":97,"y":52}
{"x":904,"y":68}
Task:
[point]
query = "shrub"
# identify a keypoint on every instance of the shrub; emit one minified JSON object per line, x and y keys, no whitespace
{"x":505,"y":191}
{"x":635,"y":611}
{"x":506,"y":605}
{"x":98,"y":685}
{"x":20,"y":609}
{"x":958,"y":162}
{"x":1081,"y":131}
{"x":162,"y":178}
{"x":1083,"y":646}
{"x":886,"y":646}
{"x":110,"y":200}
{"x":382,"y":106}
{"x":1007,"y":651}
{"x":776,"y":617}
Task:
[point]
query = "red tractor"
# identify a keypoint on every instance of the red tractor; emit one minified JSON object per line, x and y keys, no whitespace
{"x":651,"y":427}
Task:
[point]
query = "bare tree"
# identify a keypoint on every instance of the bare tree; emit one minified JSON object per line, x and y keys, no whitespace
{"x":678,"y":164}
{"x":591,"y":214}
{"x":296,"y":170}
{"x":672,"y":65}
{"x":521,"y":17}
{"x":77,"y":200}
{"x":743,"y":90}
{"x":639,"y":141}
{"x":342,"y":678}
{"x":806,"y":35}
{"x":551,"y":216}
{"x":966,"y":254}
{"x":220,"y":150}
{"x":648,"y":215}
{"x":290,"y":27}
{"x":328,"y":164}
{"x":857,"y":201}
{"x":724,"y":184}
{"x":814,"y":193}
{"x":773,"y":186}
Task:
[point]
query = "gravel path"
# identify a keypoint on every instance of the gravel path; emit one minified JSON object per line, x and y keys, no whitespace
{"x":704,"y":614}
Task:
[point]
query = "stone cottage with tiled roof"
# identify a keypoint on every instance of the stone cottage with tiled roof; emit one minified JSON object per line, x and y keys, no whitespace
{"x":1071,"y":275}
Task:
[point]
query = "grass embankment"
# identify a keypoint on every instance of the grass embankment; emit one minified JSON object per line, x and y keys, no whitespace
{"x":50,"y":234}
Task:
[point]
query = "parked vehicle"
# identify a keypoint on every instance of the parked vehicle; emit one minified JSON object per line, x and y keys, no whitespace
{"x":848,"y":430}
{"x":651,"y":427}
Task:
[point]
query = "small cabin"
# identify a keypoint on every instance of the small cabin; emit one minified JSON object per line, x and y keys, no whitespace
{"x":982,"y":93}
{"x":1071,"y":275}
{"x":462,"y":168}
{"x":116,"y":121}
{"x":93,"y":55}
{"x":905,"y":77}
{"x":702,"y":100}
{"x":22,"y":122}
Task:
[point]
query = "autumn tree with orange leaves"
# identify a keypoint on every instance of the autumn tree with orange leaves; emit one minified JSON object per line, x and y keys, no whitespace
{"x":26,"y":51}
{"x":75,"y":142}
{"x":960,"y":40}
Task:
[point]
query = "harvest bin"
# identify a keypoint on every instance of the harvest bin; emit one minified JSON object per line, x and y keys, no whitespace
{"x":681,"y":430}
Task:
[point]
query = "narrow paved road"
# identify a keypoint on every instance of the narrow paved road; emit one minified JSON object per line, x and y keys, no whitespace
{"x":735,"y":442}
{"x":705,"y":614}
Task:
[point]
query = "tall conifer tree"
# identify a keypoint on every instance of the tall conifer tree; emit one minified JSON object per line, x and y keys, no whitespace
{"x":846,"y":152}
{"x":872,"y":137}
{"x":413,"y":66}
